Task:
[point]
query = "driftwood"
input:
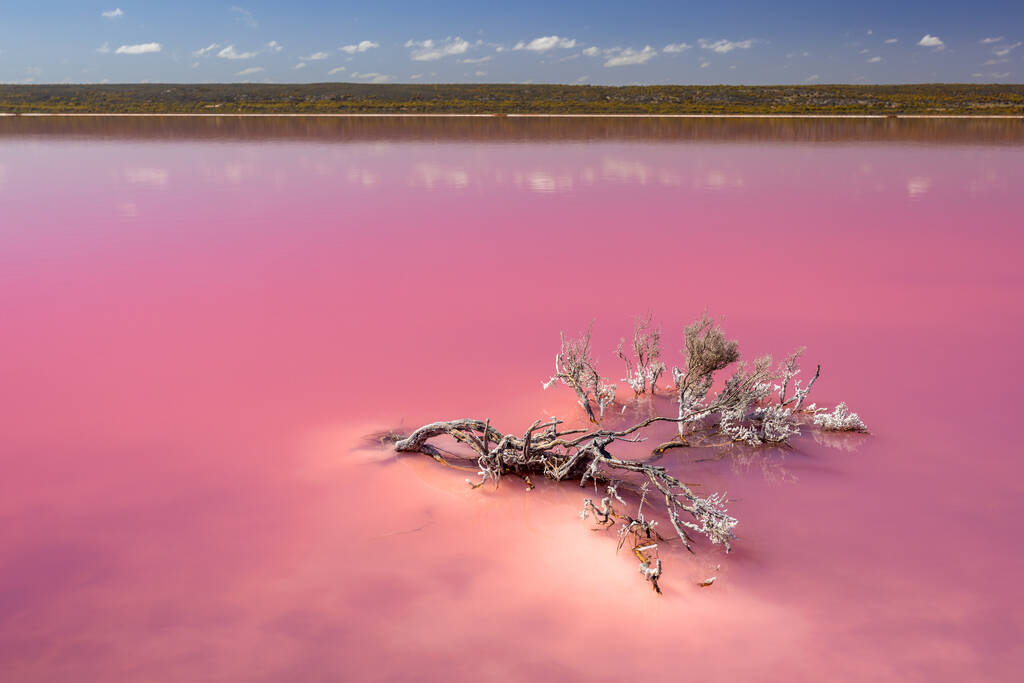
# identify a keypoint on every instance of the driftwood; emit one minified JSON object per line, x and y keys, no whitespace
{"x":753,"y":408}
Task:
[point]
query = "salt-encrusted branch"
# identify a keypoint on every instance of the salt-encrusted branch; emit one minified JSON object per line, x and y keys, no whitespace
{"x":574,"y":367}
{"x":707,"y":351}
{"x":840,"y":420}
{"x":585,"y":457}
{"x":647,"y":351}
{"x":742,"y":411}
{"x":788,"y":370}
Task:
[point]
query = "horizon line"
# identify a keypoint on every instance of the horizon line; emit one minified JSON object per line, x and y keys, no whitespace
{"x":519,"y":83}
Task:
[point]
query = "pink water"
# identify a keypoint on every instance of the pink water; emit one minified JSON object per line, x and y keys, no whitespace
{"x":198,"y":328}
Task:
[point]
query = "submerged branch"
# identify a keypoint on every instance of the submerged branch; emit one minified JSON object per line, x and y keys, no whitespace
{"x":741,"y":412}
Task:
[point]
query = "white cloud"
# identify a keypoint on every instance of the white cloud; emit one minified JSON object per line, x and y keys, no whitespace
{"x":316,"y":56}
{"x":676,"y":47}
{"x":415,"y":76}
{"x":245,"y":17}
{"x":113,"y":13}
{"x":1005,"y":49}
{"x":724,"y":46}
{"x":361,"y":46}
{"x":1005,"y":74}
{"x":480,"y":73}
{"x":989,"y":41}
{"x":336,"y":70}
{"x":231,"y":53}
{"x":202,"y":52}
{"x":429,"y":50}
{"x":251,"y":70}
{"x":705,"y":64}
{"x":275,"y":46}
{"x":477,"y":60}
{"x":931,"y":41}
{"x":300,"y":65}
{"x":891,"y":41}
{"x":874,"y":60}
{"x":545,"y":43}
{"x":140,"y":49}
{"x":373,"y":77}
{"x":631,"y":57}
{"x":812,"y":78}
{"x":591,"y":51}
{"x":104,"y":48}
{"x":582,"y":79}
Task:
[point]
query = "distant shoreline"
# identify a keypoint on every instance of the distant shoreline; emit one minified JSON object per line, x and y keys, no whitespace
{"x":511,"y":115}
{"x":517,"y":99}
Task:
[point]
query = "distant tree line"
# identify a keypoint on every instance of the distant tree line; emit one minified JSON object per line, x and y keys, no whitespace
{"x":325,"y":98}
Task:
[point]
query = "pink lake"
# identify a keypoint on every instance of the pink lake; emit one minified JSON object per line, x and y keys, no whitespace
{"x":202,"y":319}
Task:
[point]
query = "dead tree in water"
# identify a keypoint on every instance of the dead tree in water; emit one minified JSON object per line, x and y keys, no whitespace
{"x":647,"y":349}
{"x":752,"y":408}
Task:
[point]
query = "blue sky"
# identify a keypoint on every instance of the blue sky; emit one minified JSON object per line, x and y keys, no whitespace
{"x":550,"y":41}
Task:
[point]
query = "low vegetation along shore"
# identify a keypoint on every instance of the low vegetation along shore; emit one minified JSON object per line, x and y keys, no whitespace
{"x":356,"y":98}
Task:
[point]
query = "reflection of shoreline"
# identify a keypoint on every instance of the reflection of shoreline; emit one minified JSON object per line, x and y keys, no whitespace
{"x":434,"y":128}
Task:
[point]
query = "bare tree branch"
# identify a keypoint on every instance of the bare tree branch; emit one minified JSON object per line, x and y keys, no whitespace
{"x":741,"y":411}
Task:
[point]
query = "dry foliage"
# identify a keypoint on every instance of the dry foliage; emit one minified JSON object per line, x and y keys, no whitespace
{"x":753,"y":408}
